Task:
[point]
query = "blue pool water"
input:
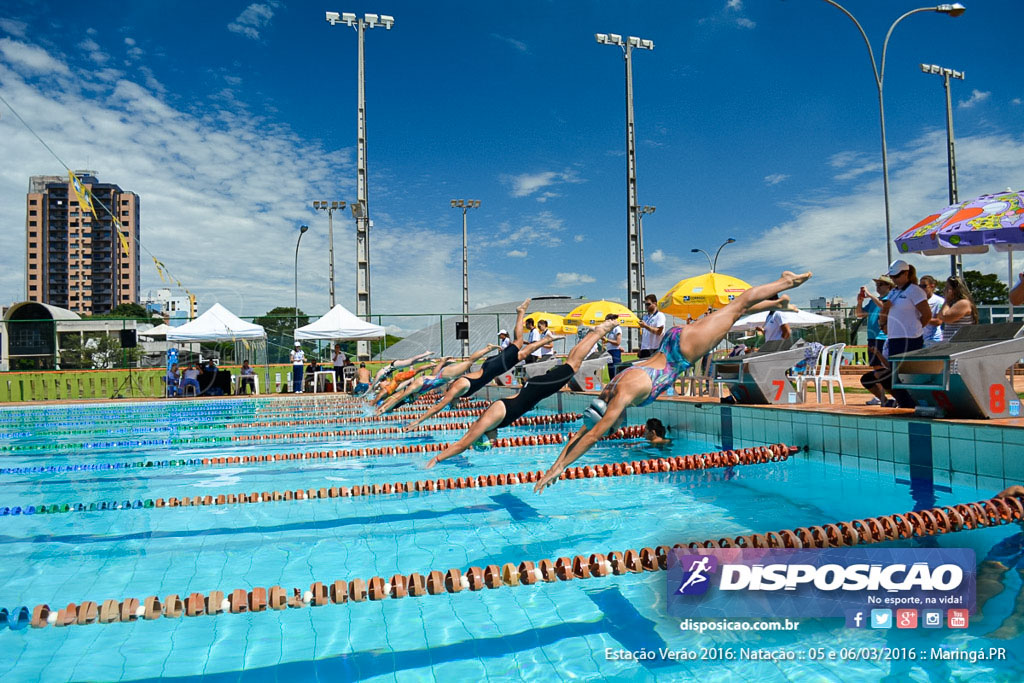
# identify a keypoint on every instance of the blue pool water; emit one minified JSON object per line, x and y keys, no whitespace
{"x":554,"y":631}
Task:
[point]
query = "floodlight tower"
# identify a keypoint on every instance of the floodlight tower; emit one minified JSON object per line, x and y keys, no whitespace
{"x":330,"y":208}
{"x":361,"y":207}
{"x":956,"y":265}
{"x":465,"y":205}
{"x":634,"y":246}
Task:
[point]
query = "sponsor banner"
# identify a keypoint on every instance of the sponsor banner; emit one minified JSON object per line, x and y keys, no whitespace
{"x":830,"y":582}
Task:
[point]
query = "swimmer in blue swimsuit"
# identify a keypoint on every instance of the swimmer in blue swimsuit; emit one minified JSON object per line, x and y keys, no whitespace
{"x":643,"y":382}
{"x":474,"y":381}
{"x":422,"y":385}
{"x":505,"y":411}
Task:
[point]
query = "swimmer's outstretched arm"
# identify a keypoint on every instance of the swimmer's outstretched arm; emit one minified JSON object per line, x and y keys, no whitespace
{"x":491,"y":418}
{"x":584,"y":440}
{"x":525,"y":351}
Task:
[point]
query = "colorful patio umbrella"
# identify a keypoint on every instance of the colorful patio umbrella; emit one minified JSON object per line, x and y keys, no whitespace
{"x":593,"y":313}
{"x":991,"y":220}
{"x":692,"y":297}
{"x":556,"y":323}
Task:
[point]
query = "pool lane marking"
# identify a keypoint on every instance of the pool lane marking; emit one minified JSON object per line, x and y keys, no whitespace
{"x":982,"y":514}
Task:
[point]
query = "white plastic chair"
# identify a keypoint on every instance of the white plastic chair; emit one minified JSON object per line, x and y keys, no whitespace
{"x":827,"y":370}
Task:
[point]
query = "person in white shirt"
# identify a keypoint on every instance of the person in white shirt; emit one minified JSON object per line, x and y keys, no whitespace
{"x":298,"y":360}
{"x":613,"y":345}
{"x":338,"y":361}
{"x":503,"y":339}
{"x":903,"y":318}
{"x":531,"y":335}
{"x":932,"y":332}
{"x":548,"y":350}
{"x":653,"y":326}
{"x":775,"y":328}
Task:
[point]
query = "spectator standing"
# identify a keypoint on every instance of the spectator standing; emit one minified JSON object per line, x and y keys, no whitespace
{"x":548,"y":350}
{"x":503,"y":339}
{"x":959,"y":309}
{"x":903,"y":318}
{"x":933,"y":330}
{"x":613,"y":344}
{"x":870,"y":306}
{"x":653,"y":326}
{"x":775,"y":328}
{"x":298,"y":360}
{"x":338,"y":361}
{"x":529,"y":336}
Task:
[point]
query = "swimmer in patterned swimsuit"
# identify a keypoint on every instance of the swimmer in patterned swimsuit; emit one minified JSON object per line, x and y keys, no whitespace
{"x":505,"y":411}
{"x":641,"y":383}
{"x":422,"y":385}
{"x":472,"y":382}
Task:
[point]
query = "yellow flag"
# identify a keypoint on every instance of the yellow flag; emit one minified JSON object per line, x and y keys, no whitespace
{"x":84,"y":200}
{"x":159,"y":269}
{"x":120,"y":235}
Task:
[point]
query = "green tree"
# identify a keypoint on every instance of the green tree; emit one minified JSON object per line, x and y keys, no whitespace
{"x":986,"y":288}
{"x":97,"y":351}
{"x":130,"y":310}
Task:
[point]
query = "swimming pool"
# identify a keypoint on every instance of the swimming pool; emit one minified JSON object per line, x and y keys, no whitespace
{"x":546,"y":631}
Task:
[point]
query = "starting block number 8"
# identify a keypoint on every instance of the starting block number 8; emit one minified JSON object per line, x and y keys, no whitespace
{"x":997,"y":398}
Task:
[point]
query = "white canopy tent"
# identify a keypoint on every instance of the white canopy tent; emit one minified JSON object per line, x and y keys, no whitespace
{"x":791,"y":318}
{"x":159,"y":332}
{"x":341,"y":325}
{"x":218,"y":324}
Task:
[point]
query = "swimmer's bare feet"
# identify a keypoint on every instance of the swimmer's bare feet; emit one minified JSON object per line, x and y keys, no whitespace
{"x":606,"y":326}
{"x":521,"y":308}
{"x":792,"y":279}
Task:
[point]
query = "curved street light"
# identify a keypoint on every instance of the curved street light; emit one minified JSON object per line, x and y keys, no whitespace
{"x":714,"y":264}
{"x":954,"y":10}
{"x":302,"y":231}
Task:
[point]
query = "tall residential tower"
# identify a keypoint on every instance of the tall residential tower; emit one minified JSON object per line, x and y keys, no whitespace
{"x":73,"y":260}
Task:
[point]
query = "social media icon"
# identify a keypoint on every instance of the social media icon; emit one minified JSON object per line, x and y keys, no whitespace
{"x":932,"y":618}
{"x":881,"y":618}
{"x":906,"y":618}
{"x":855,"y":618}
{"x":957,"y":618}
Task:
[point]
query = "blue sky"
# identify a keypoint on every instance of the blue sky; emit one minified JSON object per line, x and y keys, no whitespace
{"x":755,"y":120}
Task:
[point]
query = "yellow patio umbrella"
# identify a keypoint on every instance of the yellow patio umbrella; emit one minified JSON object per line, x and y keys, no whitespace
{"x":556,"y":323}
{"x":692,"y":297}
{"x":593,"y":313}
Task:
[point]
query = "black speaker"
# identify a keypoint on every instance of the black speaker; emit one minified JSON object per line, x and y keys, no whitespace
{"x":128,"y":340}
{"x":462,"y":330}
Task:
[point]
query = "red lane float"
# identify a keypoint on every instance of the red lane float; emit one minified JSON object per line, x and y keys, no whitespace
{"x":985,"y":513}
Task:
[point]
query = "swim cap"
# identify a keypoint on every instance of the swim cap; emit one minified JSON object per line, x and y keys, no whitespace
{"x":482,"y":444}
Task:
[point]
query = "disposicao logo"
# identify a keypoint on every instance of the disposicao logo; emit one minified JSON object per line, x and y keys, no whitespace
{"x":738,"y":582}
{"x":696,"y":573}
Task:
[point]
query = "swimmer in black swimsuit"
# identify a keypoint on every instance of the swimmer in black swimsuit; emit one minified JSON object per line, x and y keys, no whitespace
{"x":505,"y":411}
{"x":472,"y":382}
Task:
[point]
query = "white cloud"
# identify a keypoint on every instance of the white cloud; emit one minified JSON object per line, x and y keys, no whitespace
{"x":253,"y":18}
{"x":517,"y":44}
{"x":736,"y":6}
{"x":30,"y":59}
{"x":578,"y":238}
{"x":526,"y":184}
{"x":656,"y":256}
{"x":977,"y":97}
{"x":573,"y":279}
{"x":743,"y":22}
{"x":14,"y":27}
{"x":775,"y":178}
{"x":542,"y":229}
{"x":517,"y":253}
{"x":1015,"y":101}
{"x":129,"y":41}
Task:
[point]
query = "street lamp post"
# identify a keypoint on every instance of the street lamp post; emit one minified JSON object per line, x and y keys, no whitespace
{"x":955,"y":264}
{"x":465,"y":205}
{"x":634,"y":246}
{"x":953,"y":10}
{"x":302,"y":231}
{"x":330,"y":208}
{"x":714,"y":264}
{"x":641,"y":212}
{"x":362,"y":215}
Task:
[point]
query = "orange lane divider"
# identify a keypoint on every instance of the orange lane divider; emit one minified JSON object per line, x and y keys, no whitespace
{"x":982,"y":514}
{"x":375,"y":431}
{"x":747,"y":456}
